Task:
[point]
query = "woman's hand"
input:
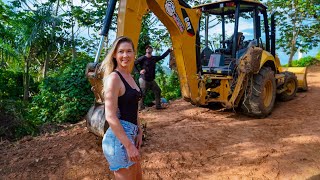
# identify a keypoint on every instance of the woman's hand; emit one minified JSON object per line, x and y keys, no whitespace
{"x":139,"y":139}
{"x":133,"y":153}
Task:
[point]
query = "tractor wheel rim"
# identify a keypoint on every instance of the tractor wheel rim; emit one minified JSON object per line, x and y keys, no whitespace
{"x":290,"y":87}
{"x":267,"y":94}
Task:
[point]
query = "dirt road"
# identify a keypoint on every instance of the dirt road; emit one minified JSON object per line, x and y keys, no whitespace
{"x":187,"y":142}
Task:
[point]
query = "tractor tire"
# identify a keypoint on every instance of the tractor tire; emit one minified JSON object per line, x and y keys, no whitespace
{"x":260,"y":95}
{"x":291,"y":83}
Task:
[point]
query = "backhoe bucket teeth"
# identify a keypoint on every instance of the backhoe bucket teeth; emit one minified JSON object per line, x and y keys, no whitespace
{"x":301,"y":73}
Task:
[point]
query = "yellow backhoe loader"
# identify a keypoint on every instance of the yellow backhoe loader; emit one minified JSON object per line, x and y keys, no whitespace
{"x":244,"y":73}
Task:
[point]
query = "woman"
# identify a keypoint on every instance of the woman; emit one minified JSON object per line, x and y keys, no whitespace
{"x":122,"y":141}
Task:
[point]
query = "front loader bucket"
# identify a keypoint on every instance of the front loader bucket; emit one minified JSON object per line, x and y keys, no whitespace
{"x":301,"y":73}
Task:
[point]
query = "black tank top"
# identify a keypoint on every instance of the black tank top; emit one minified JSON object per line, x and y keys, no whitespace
{"x":128,"y":102}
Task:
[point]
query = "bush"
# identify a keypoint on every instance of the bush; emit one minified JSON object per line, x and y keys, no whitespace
{"x":305,"y":61}
{"x":13,"y":125}
{"x":11,"y":84}
{"x":169,"y":84}
{"x":65,"y":96}
{"x":318,"y":55}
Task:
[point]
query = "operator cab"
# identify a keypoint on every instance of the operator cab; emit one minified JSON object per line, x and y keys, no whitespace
{"x":224,"y":44}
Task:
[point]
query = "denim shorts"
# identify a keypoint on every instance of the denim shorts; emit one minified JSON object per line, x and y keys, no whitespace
{"x":114,"y":150}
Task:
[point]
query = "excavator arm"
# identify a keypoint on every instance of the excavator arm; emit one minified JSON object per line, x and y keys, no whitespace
{"x":182,"y":23}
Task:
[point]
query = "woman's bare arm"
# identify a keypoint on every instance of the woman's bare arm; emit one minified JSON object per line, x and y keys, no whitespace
{"x":111,"y":93}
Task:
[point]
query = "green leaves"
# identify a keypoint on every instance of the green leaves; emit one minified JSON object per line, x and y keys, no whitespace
{"x":298,"y":23}
{"x":305,"y":61}
{"x":169,"y":84}
{"x":65,"y":96}
{"x":11,"y":84}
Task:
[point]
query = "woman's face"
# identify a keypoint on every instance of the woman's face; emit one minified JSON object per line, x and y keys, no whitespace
{"x":124,"y":54}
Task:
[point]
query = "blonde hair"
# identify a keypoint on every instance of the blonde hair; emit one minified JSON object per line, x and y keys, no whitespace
{"x":109,"y":63}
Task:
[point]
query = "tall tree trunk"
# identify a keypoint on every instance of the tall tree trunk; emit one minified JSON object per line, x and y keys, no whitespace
{"x":291,"y":54}
{"x":26,"y":79}
{"x":2,"y":58}
{"x":294,"y":35}
{"x":57,"y":8}
{"x":45,"y":66}
{"x":293,"y":46}
{"x":72,"y":34}
{"x":73,"y":43}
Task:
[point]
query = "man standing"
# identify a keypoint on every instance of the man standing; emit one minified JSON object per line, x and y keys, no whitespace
{"x":147,"y":75}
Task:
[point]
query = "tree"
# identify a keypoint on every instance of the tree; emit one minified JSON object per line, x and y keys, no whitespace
{"x":32,"y":29}
{"x":7,"y":41}
{"x":36,"y":35}
{"x":298,"y":25}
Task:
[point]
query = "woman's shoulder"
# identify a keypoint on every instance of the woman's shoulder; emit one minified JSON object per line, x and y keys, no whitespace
{"x":113,"y":74}
{"x":112,"y":78}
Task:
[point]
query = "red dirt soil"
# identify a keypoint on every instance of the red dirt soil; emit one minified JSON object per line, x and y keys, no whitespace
{"x":187,"y":142}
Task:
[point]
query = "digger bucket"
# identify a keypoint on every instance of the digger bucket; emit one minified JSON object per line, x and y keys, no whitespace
{"x":95,"y":118}
{"x":301,"y":73}
{"x":96,"y":121}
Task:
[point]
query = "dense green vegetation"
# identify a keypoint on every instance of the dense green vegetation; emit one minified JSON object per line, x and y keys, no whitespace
{"x":63,"y":96}
{"x":306,"y":61}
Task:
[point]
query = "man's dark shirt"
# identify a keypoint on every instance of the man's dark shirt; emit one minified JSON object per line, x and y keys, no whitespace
{"x":149,"y":64}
